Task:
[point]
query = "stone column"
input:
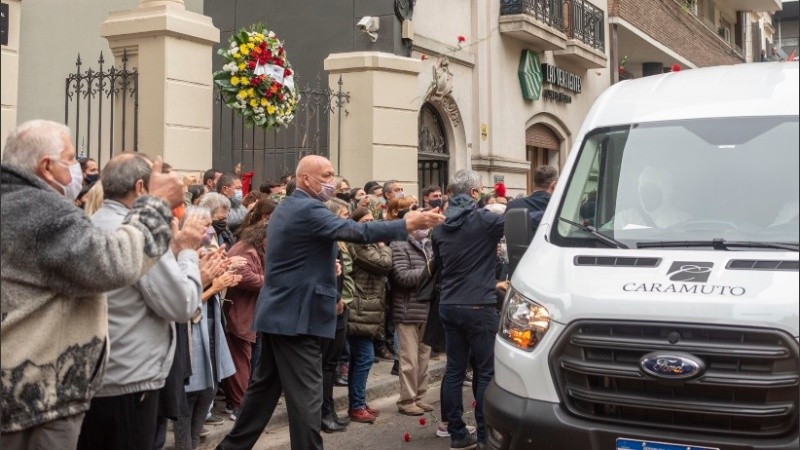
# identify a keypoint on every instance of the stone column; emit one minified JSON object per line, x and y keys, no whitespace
{"x":171,"y":48}
{"x":9,"y":61}
{"x":379,"y":133}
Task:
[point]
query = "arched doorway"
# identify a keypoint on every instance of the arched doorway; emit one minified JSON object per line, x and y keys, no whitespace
{"x":433,"y":155}
{"x":543,"y":147}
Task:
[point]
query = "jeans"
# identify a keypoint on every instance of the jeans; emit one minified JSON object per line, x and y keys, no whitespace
{"x":467,"y":328}
{"x":362,"y":354}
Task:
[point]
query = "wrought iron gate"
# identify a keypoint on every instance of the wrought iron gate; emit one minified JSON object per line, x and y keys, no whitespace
{"x":433,"y":156}
{"x":273,"y":153}
{"x":101,"y":108}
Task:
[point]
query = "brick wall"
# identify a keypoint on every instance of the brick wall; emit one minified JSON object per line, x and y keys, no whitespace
{"x":680,"y":30}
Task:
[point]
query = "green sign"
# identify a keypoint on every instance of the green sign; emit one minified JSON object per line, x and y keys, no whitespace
{"x":530,"y":75}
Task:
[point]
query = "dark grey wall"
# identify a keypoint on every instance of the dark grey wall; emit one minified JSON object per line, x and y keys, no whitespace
{"x":310,"y":29}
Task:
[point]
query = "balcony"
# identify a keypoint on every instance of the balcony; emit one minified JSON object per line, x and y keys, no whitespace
{"x":573,"y":29}
{"x":537,"y":22}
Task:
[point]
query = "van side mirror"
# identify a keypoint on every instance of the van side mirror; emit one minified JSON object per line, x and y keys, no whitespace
{"x":518,"y":235}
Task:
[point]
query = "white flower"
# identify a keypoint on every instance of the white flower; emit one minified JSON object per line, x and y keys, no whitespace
{"x":271,"y":33}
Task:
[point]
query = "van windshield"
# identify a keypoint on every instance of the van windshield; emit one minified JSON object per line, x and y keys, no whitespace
{"x":691,"y":180}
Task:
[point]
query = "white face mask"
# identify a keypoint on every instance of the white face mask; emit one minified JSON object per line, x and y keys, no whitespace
{"x":75,"y":185}
{"x":419,"y":234}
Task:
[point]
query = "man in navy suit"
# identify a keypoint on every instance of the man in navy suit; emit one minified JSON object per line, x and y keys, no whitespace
{"x":297,"y":305}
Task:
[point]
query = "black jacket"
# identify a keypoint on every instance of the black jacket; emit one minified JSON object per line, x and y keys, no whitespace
{"x":466,"y":247}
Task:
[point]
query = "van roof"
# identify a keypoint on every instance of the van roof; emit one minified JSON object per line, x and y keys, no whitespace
{"x":755,"y":89}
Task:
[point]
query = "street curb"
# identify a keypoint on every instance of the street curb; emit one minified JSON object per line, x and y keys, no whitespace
{"x":380,"y":384}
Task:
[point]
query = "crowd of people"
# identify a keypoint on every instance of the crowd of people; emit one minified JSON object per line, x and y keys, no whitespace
{"x":131,"y":297}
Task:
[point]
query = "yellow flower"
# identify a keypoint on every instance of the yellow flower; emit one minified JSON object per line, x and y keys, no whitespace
{"x":242,"y":94}
{"x":243,"y":49}
{"x":270,"y":109}
{"x":244,"y":81}
{"x":251,"y":46}
{"x":264,"y":101}
{"x":235,"y":81}
{"x":242,"y":66}
{"x":235,"y":55}
{"x":251,"y":92}
{"x":253,"y":103}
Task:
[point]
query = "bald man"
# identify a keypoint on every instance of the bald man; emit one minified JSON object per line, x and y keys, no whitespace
{"x":297,"y":305}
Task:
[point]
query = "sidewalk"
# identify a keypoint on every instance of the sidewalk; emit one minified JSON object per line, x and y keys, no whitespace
{"x":381,"y":383}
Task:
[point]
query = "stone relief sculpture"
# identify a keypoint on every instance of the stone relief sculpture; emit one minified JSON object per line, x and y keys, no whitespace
{"x":442,"y":88}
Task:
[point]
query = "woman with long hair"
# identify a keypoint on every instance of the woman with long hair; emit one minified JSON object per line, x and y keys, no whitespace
{"x":239,"y":309}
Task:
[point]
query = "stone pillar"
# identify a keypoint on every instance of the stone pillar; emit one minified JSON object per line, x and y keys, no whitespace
{"x":379,"y":135}
{"x":171,"y":48}
{"x":9,"y":61}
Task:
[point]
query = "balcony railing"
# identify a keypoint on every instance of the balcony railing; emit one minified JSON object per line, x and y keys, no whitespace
{"x":578,"y":19}
{"x":586,"y":23}
{"x":550,"y":12}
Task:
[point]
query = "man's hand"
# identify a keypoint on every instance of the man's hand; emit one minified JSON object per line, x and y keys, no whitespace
{"x":338,"y":267}
{"x":167,"y":186}
{"x":190,"y":236}
{"x":236,"y":262}
{"x":422,"y":220}
{"x":224,"y":281}
{"x":502,"y":286}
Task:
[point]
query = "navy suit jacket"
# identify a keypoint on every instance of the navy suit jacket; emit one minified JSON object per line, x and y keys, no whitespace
{"x":299,"y":294}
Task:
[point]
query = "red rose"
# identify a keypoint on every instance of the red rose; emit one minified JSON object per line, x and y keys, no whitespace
{"x":269,"y":94}
{"x":287,"y":72}
{"x":262,"y":59}
{"x":461,"y":39}
{"x":422,"y":421}
{"x":423,"y":57}
{"x":280,"y":97}
{"x":268,"y":53}
{"x":407,"y":437}
{"x":251,"y":65}
{"x":280,"y":51}
{"x":263,"y":45}
{"x":676,"y":67}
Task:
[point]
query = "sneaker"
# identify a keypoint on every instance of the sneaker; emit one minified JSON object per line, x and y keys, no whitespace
{"x":228,"y":408}
{"x":361,"y":415}
{"x":396,"y":368}
{"x":469,"y":441}
{"x":204,"y":433}
{"x":373,"y":411}
{"x":214,"y":420}
{"x":468,"y":379}
{"x":234,"y":415}
{"x":441,"y":430}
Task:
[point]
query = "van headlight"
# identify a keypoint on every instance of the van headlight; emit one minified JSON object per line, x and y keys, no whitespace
{"x":523,"y":322}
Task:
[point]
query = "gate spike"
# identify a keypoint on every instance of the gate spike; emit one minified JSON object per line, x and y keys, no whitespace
{"x":101,"y":60}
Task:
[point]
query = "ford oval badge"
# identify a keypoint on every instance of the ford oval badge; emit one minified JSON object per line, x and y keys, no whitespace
{"x":672,"y":366}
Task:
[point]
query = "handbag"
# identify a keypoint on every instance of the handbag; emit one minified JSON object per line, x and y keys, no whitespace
{"x":428,"y":287}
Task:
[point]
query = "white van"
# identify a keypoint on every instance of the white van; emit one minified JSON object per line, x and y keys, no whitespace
{"x":657,"y":305}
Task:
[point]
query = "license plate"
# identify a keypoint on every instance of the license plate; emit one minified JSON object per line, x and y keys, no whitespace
{"x":633,"y":444}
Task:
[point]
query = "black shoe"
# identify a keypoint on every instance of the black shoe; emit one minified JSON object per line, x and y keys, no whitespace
{"x":329,"y":424}
{"x":384,"y":353}
{"x":396,"y":368}
{"x":469,"y":441}
{"x":339,"y":380}
{"x":343,"y":421}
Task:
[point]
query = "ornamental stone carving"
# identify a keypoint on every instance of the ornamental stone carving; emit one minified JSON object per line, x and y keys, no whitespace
{"x":441,"y":91}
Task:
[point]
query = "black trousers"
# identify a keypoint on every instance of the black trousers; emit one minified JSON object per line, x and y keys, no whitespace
{"x":331,"y":354}
{"x":120,"y":422}
{"x":288,"y":364}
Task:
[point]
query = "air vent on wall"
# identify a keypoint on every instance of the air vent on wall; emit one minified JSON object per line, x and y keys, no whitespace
{"x":614,"y":261}
{"x":761,"y":264}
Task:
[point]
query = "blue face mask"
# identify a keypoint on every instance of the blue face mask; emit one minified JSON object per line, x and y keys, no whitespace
{"x":237,"y":194}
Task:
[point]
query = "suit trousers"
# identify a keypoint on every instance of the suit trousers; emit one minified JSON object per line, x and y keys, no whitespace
{"x":414,"y":358}
{"x":288,"y":364}
{"x":127,"y":421}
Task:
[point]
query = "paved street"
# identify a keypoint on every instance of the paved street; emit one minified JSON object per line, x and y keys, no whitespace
{"x":386,"y":433}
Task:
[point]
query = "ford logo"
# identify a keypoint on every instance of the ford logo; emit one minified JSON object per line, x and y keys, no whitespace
{"x":673,"y":366}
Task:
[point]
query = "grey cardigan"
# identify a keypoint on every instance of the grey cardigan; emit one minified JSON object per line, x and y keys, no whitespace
{"x":141,"y":316}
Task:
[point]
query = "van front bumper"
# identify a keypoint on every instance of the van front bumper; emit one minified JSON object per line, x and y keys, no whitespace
{"x":515,"y":422}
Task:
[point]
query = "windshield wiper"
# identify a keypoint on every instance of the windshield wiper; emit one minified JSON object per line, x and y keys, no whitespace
{"x":593,"y":231}
{"x":721,"y":244}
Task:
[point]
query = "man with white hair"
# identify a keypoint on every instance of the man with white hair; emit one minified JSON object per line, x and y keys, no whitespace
{"x":56,"y":267}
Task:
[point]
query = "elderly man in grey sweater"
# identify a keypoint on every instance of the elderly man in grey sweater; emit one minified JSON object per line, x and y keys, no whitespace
{"x":140,"y":319}
{"x":56,"y":267}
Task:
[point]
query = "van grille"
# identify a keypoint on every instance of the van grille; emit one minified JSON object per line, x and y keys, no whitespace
{"x":752,"y":264}
{"x":750,"y":386}
{"x":616,"y":261}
